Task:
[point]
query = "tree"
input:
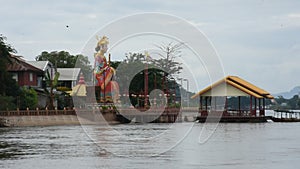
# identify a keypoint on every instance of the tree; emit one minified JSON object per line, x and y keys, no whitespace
{"x":293,"y":102}
{"x":63,"y":59}
{"x":135,"y":65}
{"x":115,"y":64}
{"x":169,"y":53}
{"x":8,"y":86}
{"x":52,"y":84}
{"x":5,"y":50}
{"x":128,"y":67}
{"x":28,"y":98}
{"x":86,"y":68}
{"x":283,"y":103}
{"x":7,"y":103}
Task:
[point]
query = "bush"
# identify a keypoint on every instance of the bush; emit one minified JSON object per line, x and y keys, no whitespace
{"x":7,"y":103}
{"x":28,"y":98}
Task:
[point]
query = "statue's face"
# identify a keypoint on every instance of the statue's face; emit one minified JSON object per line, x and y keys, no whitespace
{"x":104,"y":48}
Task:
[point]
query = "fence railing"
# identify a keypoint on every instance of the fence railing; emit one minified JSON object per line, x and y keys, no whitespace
{"x":37,"y":112}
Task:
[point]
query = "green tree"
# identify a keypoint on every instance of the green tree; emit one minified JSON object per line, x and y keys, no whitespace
{"x":293,"y":102}
{"x":8,"y":86}
{"x":51,"y":83}
{"x":135,"y":64}
{"x":63,"y":59}
{"x":7,"y":103}
{"x":86,"y":68}
{"x":115,"y":64}
{"x":5,"y":59}
{"x":28,"y":98}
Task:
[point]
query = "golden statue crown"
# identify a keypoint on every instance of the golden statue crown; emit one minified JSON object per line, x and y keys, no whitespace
{"x":103,"y":40}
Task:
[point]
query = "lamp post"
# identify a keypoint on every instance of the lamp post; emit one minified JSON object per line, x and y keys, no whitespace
{"x":180,"y":81}
{"x":155,"y":87}
{"x":187,"y":92}
{"x":173,"y":88}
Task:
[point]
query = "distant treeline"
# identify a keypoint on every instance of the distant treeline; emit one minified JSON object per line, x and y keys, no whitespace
{"x":277,"y":103}
{"x":283,"y":103}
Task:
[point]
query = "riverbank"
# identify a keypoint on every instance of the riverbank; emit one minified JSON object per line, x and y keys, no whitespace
{"x":53,"y":120}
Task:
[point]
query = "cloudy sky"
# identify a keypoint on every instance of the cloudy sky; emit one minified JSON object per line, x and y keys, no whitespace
{"x":258,"y":40}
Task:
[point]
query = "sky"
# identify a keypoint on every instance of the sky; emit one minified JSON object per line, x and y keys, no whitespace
{"x":257,"y":40}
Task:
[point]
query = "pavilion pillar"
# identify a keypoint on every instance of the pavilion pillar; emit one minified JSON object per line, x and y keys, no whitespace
{"x":251,"y":105}
{"x":259,"y":106}
{"x":206,"y":98}
{"x":226,"y":105}
{"x":200,"y":103}
{"x":239,"y":102}
{"x":204,"y":112}
{"x":264,"y":105}
{"x":255,"y":105}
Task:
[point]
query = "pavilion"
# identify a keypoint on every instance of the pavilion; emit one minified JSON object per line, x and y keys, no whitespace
{"x":249,"y":99}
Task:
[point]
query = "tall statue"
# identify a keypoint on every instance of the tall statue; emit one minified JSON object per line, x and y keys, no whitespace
{"x":109,"y":89}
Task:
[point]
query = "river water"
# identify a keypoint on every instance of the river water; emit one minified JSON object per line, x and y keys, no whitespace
{"x":242,"y":146}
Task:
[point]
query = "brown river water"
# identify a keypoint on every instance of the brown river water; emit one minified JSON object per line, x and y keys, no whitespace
{"x":242,"y":146}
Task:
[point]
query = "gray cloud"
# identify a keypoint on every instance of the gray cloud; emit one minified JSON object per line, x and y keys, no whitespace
{"x":256,"y":39}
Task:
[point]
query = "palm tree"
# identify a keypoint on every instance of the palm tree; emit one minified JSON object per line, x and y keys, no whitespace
{"x":52,"y":83}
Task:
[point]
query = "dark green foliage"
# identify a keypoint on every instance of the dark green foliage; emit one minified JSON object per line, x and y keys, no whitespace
{"x":159,"y":71}
{"x":8,"y":86}
{"x":155,"y":81}
{"x":7,"y":103}
{"x":135,"y":64}
{"x":278,"y":103}
{"x":52,"y":84}
{"x":28,"y":98}
{"x":115,"y":64}
{"x":293,"y":102}
{"x":282,"y":103}
{"x":5,"y":50}
{"x":60,"y":59}
{"x":63,"y":101}
{"x":84,"y":63}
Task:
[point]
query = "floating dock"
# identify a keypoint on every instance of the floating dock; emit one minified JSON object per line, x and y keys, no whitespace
{"x":286,"y":116}
{"x":234,"y":119}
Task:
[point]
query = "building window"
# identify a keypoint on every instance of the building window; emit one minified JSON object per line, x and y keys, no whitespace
{"x":15,"y":76}
{"x":30,"y":77}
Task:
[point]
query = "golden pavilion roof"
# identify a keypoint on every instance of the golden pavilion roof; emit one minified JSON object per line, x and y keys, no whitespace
{"x":239,"y":84}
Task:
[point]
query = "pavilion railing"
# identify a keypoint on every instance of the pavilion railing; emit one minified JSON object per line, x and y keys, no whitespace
{"x":232,"y":112}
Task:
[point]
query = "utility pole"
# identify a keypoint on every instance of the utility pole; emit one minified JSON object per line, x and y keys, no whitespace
{"x":146,"y":79}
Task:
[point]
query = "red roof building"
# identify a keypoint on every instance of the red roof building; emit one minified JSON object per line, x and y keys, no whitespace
{"x":24,"y":73}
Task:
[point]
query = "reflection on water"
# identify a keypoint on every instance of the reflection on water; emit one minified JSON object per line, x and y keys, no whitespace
{"x":247,"y":146}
